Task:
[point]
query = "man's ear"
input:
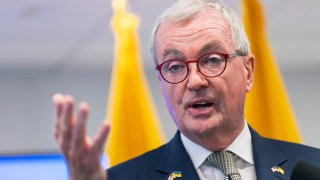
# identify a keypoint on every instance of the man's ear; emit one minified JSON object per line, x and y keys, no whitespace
{"x":249,"y":66}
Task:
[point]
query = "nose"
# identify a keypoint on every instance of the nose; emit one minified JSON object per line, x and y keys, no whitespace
{"x":196,"y":80}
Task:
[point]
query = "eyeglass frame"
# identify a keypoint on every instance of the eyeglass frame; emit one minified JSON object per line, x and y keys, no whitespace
{"x":187,"y":62}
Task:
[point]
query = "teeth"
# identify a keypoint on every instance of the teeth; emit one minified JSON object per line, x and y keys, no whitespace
{"x":200,"y":103}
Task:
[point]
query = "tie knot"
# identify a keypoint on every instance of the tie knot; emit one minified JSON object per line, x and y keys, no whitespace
{"x":223,"y":160}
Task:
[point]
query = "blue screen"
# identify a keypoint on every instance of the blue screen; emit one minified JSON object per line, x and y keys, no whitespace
{"x":36,"y":167}
{"x":33,"y":167}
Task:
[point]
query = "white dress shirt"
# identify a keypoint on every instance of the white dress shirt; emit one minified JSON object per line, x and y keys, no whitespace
{"x":241,"y":146}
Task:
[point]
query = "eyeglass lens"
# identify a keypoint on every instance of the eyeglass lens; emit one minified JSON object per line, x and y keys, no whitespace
{"x":209,"y":65}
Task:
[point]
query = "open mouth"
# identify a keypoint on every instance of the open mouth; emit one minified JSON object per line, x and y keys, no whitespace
{"x":201,"y":105}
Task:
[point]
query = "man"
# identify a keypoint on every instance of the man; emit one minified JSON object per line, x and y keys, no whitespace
{"x":205,"y":69}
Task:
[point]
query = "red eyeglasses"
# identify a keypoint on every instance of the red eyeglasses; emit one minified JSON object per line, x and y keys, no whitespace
{"x":175,"y":71}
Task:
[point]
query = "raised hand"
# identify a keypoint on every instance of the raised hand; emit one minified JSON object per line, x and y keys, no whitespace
{"x":80,"y":151}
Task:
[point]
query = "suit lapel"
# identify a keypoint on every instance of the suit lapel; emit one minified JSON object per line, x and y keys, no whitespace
{"x":267,"y":156}
{"x":176,"y":158}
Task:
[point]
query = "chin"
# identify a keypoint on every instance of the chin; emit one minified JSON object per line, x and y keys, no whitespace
{"x":204,"y":128}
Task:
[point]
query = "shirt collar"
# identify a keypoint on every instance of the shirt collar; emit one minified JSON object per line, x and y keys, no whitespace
{"x":198,"y":154}
{"x":243,"y":140}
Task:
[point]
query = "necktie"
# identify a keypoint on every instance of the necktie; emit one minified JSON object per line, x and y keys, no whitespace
{"x":223,"y":160}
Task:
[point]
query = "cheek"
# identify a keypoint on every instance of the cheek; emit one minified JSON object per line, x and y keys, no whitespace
{"x":173,"y":97}
{"x":168,"y":93}
{"x":165,"y":92}
{"x":239,"y":95}
{"x":236,"y":85}
{"x":171,"y":92}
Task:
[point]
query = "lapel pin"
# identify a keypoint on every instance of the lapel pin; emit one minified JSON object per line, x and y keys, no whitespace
{"x":277,"y":169}
{"x":174,"y":175}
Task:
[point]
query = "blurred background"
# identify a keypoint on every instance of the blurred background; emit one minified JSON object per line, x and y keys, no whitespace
{"x":66,"y":46}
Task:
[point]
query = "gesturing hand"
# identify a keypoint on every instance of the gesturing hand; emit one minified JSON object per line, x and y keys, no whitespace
{"x":81,"y":152}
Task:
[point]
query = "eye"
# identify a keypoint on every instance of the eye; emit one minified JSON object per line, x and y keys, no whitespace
{"x":212,"y":60}
{"x":174,"y":67}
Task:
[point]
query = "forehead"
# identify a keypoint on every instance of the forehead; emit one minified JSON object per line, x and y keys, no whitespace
{"x":207,"y":30}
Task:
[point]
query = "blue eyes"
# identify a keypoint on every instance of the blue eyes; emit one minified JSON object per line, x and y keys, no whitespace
{"x":175,"y":67}
{"x":211,"y":61}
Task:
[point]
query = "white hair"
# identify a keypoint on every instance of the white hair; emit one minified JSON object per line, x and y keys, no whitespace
{"x":184,"y":10}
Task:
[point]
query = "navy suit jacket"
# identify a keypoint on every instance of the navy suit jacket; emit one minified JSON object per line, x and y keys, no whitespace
{"x":158,"y":164}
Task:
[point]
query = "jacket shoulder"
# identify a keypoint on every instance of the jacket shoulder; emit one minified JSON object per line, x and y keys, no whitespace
{"x":297,"y":151}
{"x":139,"y":167}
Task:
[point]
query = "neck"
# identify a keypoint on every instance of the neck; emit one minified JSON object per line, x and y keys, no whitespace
{"x":218,"y":140}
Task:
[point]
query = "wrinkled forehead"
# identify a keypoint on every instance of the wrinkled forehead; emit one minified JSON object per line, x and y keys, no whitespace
{"x":206,"y":27}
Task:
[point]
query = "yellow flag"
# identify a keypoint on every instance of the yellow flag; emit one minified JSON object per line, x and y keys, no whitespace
{"x":267,"y":107}
{"x":134,"y":125}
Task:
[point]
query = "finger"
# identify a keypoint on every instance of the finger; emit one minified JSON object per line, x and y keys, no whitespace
{"x":101,"y":136}
{"x":66,"y":122}
{"x":58,"y":101}
{"x":79,"y":130}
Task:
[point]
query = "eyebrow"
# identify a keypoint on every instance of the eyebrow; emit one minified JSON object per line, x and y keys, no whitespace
{"x":171,"y":51}
{"x":212,"y":46}
{"x":209,"y":47}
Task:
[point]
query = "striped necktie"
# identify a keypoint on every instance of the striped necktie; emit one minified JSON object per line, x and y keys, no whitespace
{"x":223,"y":160}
